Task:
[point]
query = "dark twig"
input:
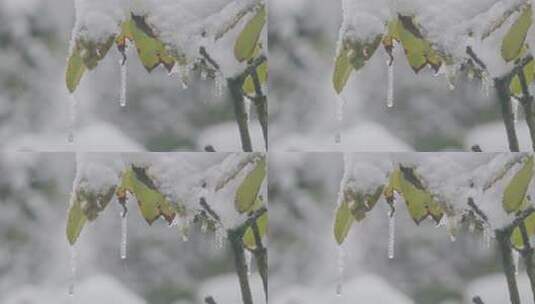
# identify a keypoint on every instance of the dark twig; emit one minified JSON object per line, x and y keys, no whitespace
{"x":502,"y":88}
{"x":208,"y":58}
{"x":504,"y":241}
{"x":260,"y":253}
{"x":477,"y":210}
{"x":475,"y":58}
{"x":209,"y":148}
{"x":477,"y":300}
{"x":260,"y":101}
{"x":236,"y":91}
{"x":527,"y":103}
{"x":236,"y":242}
{"x":209,"y":209}
{"x":527,"y":255}
{"x":209,"y":300}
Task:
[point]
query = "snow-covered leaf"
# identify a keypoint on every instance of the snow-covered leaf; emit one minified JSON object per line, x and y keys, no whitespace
{"x":247,"y":193}
{"x":152,"y":204}
{"x":517,"y":188}
{"x":248,"y":39}
{"x":420,"y":202}
{"x":391,"y":37}
{"x":514,"y":40}
{"x":419,"y":51}
{"x":151,"y":51}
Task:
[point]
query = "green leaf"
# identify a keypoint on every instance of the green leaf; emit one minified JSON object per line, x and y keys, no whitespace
{"x":516,"y":190}
{"x":343,"y":221}
{"x":152,"y":204}
{"x":262,"y":72}
{"x":342,"y":70}
{"x":516,"y":236}
{"x":420,"y":203}
{"x":76,"y":220}
{"x":391,"y":36}
{"x":529,"y":73}
{"x":248,"y":39}
{"x":75,"y":70}
{"x":514,"y":40}
{"x":249,"y":239}
{"x":419,"y":51}
{"x":247,"y":192}
{"x":151,"y":51}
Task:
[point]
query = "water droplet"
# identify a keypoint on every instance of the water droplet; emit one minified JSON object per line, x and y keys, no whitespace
{"x":124,"y":235}
{"x":124,"y":70}
{"x":390,"y":84}
{"x":391,"y":234}
{"x":73,"y":269}
{"x":341,"y":267}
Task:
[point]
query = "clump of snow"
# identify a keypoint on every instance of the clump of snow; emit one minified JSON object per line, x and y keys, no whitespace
{"x":450,"y":25}
{"x":183,"y":178}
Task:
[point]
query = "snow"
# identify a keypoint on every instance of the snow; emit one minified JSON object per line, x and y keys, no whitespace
{"x":367,"y":288}
{"x":449,"y":25}
{"x":214,"y":177}
{"x":491,"y":137}
{"x":452,"y":178}
{"x":97,"y":289}
{"x":226,"y":289}
{"x":493,"y":289}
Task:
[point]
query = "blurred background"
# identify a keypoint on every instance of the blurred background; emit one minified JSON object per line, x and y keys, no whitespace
{"x":428,"y":268}
{"x":161,"y":268}
{"x":34,"y":102}
{"x":426,"y":116}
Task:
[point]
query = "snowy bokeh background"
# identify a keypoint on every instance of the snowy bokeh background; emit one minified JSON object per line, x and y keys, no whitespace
{"x":35,"y":258}
{"x":34,"y":102}
{"x":427,"y":268}
{"x":426,"y":116}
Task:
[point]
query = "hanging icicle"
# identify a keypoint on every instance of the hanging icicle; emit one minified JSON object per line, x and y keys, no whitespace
{"x":487,"y":235}
{"x":341,"y":268}
{"x":248,"y":261}
{"x":73,"y":269}
{"x":514,"y":105}
{"x":247,"y":105}
{"x":220,"y":235}
{"x":391,"y":234}
{"x":219,"y":83}
{"x":486,"y":83}
{"x":124,"y":70}
{"x":516,"y":259}
{"x":340,"y":102}
{"x":390,"y":83}
{"x":124,"y":235}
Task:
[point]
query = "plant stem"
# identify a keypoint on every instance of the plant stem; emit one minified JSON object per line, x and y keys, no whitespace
{"x":235,"y":87}
{"x":260,"y":101}
{"x":235,"y":239}
{"x":260,"y":254}
{"x":504,"y":242}
{"x":527,"y":101}
{"x":502,"y":88}
{"x":527,"y":255}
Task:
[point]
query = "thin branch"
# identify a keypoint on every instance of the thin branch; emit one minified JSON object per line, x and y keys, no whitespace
{"x":527,"y":255}
{"x":477,"y":300}
{"x":260,"y":254}
{"x":477,"y":210}
{"x":236,"y":241}
{"x":527,"y":102}
{"x":236,"y":91}
{"x":502,"y":88}
{"x":504,"y":241}
{"x":260,"y":101}
{"x":208,"y":58}
{"x":209,"y":209}
{"x":476,"y":59}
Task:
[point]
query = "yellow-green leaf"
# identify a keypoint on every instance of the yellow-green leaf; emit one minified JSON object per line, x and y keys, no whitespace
{"x":249,"y":239}
{"x":517,"y":188}
{"x":75,"y":70}
{"x":343,"y":221}
{"x":248,"y":38}
{"x":151,"y":51}
{"x":516,"y":236}
{"x":152,"y":204}
{"x":76,"y":220}
{"x":514,"y":40}
{"x":342,"y":69}
{"x":420,"y":203}
{"x":262,"y":72}
{"x":419,"y":51}
{"x":247,"y":192}
{"x":529,"y":73}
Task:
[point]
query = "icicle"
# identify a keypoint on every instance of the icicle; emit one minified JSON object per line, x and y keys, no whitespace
{"x":452,"y":228}
{"x":514,"y":106}
{"x":341,"y":268}
{"x":219,"y":237}
{"x":124,"y":235}
{"x":73,"y":114}
{"x":204,"y":75}
{"x":124,"y":70}
{"x":391,"y":234}
{"x":487,"y":235}
{"x":247,"y":106}
{"x":204,"y":227}
{"x":516,"y":258}
{"x":390,"y":84}
{"x":73,"y":270}
{"x":219,"y":83}
{"x":486,"y":83}
{"x":450,"y":76}
{"x":248,"y":261}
